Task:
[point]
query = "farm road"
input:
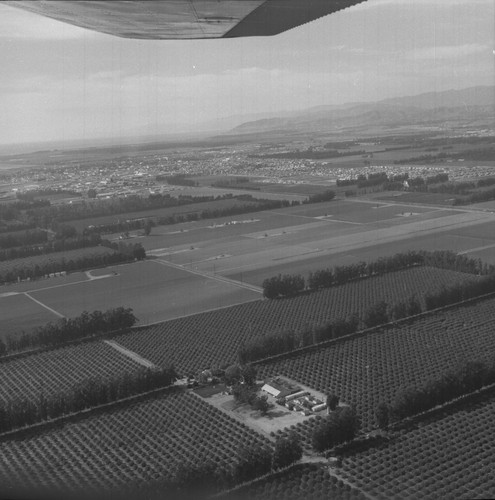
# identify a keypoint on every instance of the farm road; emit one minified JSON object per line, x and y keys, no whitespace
{"x":205,"y":274}
{"x":130,"y":354}
{"x":44,"y":305}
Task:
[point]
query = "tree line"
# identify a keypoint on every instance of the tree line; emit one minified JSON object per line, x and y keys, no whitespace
{"x":89,"y":393}
{"x":67,"y":329}
{"x":19,"y":239}
{"x":379,"y":313}
{"x":338,"y":427}
{"x":460,"y":291}
{"x":476,"y":197}
{"x":55,"y":245}
{"x":43,"y":217}
{"x":38,"y":268}
{"x":254,"y":205}
{"x":466,"y":378}
{"x":309,"y":154}
{"x":289,"y":285}
{"x":279,"y":343}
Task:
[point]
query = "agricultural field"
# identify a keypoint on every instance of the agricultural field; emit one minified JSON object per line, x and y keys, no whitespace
{"x":135,"y":445}
{"x":307,"y":237}
{"x":367,"y":370}
{"x":213,"y":338}
{"x":308,"y":481}
{"x":155,"y":291}
{"x":58,"y":370}
{"x":476,"y":241}
{"x":19,"y":312}
{"x":450,"y":455}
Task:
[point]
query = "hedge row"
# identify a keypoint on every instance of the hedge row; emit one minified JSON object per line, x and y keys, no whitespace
{"x":87,"y":394}
{"x":289,"y":285}
{"x":67,"y":329}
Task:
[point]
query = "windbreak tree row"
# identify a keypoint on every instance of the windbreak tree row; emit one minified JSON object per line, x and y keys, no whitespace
{"x":57,"y":245}
{"x":38,"y":266}
{"x":66,"y":329}
{"x":466,"y":378}
{"x":289,"y":285}
{"x":379,"y":313}
{"x":87,"y":394}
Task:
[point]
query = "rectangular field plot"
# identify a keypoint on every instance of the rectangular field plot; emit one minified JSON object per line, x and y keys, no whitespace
{"x":329,"y":245}
{"x":451,"y":455}
{"x":367,"y":370}
{"x":192,"y":233}
{"x":134,"y":446}
{"x":59,"y":370}
{"x":212,"y":339}
{"x":358,"y":212}
{"x":155,"y":292}
{"x":19,"y":313}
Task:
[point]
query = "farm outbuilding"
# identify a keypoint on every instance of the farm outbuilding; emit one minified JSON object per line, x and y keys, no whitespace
{"x":271,"y":390}
{"x":279,"y":389}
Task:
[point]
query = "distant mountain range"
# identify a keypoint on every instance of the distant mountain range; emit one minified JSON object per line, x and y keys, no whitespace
{"x":434,"y":107}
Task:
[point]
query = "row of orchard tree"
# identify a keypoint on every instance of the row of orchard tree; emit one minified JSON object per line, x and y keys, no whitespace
{"x":198,"y":479}
{"x":287,"y":341}
{"x":466,"y":378}
{"x":379,"y":313}
{"x":289,"y":285}
{"x":89,"y":393}
{"x":35,"y":269}
{"x":67,"y":329}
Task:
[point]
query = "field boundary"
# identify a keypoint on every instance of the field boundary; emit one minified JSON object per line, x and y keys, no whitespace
{"x":130,"y":354}
{"x":37,"y":350}
{"x":108,"y":335}
{"x":460,"y":401}
{"x":26,"y":431}
{"x":366,"y":331}
{"x":216,"y":277}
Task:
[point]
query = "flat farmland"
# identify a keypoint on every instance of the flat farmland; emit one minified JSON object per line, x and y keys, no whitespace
{"x":476,"y":241}
{"x":213,"y":338}
{"x":307,"y":237}
{"x":19,"y":312}
{"x":131,"y":446}
{"x":451,"y":455}
{"x":367,"y":370}
{"x":154,"y":290}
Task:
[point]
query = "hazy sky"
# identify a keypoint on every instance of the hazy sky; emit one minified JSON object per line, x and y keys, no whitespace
{"x":60,"y":82}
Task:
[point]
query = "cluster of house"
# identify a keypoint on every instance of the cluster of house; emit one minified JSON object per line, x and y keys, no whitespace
{"x":292,"y":397}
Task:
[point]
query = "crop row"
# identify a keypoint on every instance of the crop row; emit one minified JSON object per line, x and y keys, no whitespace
{"x":368,"y":370}
{"x":308,"y":481}
{"x":451,"y":455}
{"x":214,"y":338}
{"x":141,"y":443}
{"x":59,"y":370}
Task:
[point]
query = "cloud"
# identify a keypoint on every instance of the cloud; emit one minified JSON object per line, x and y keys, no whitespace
{"x":448,"y":52}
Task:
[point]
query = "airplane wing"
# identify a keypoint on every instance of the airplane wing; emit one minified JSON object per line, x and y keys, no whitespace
{"x":184,"y":19}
